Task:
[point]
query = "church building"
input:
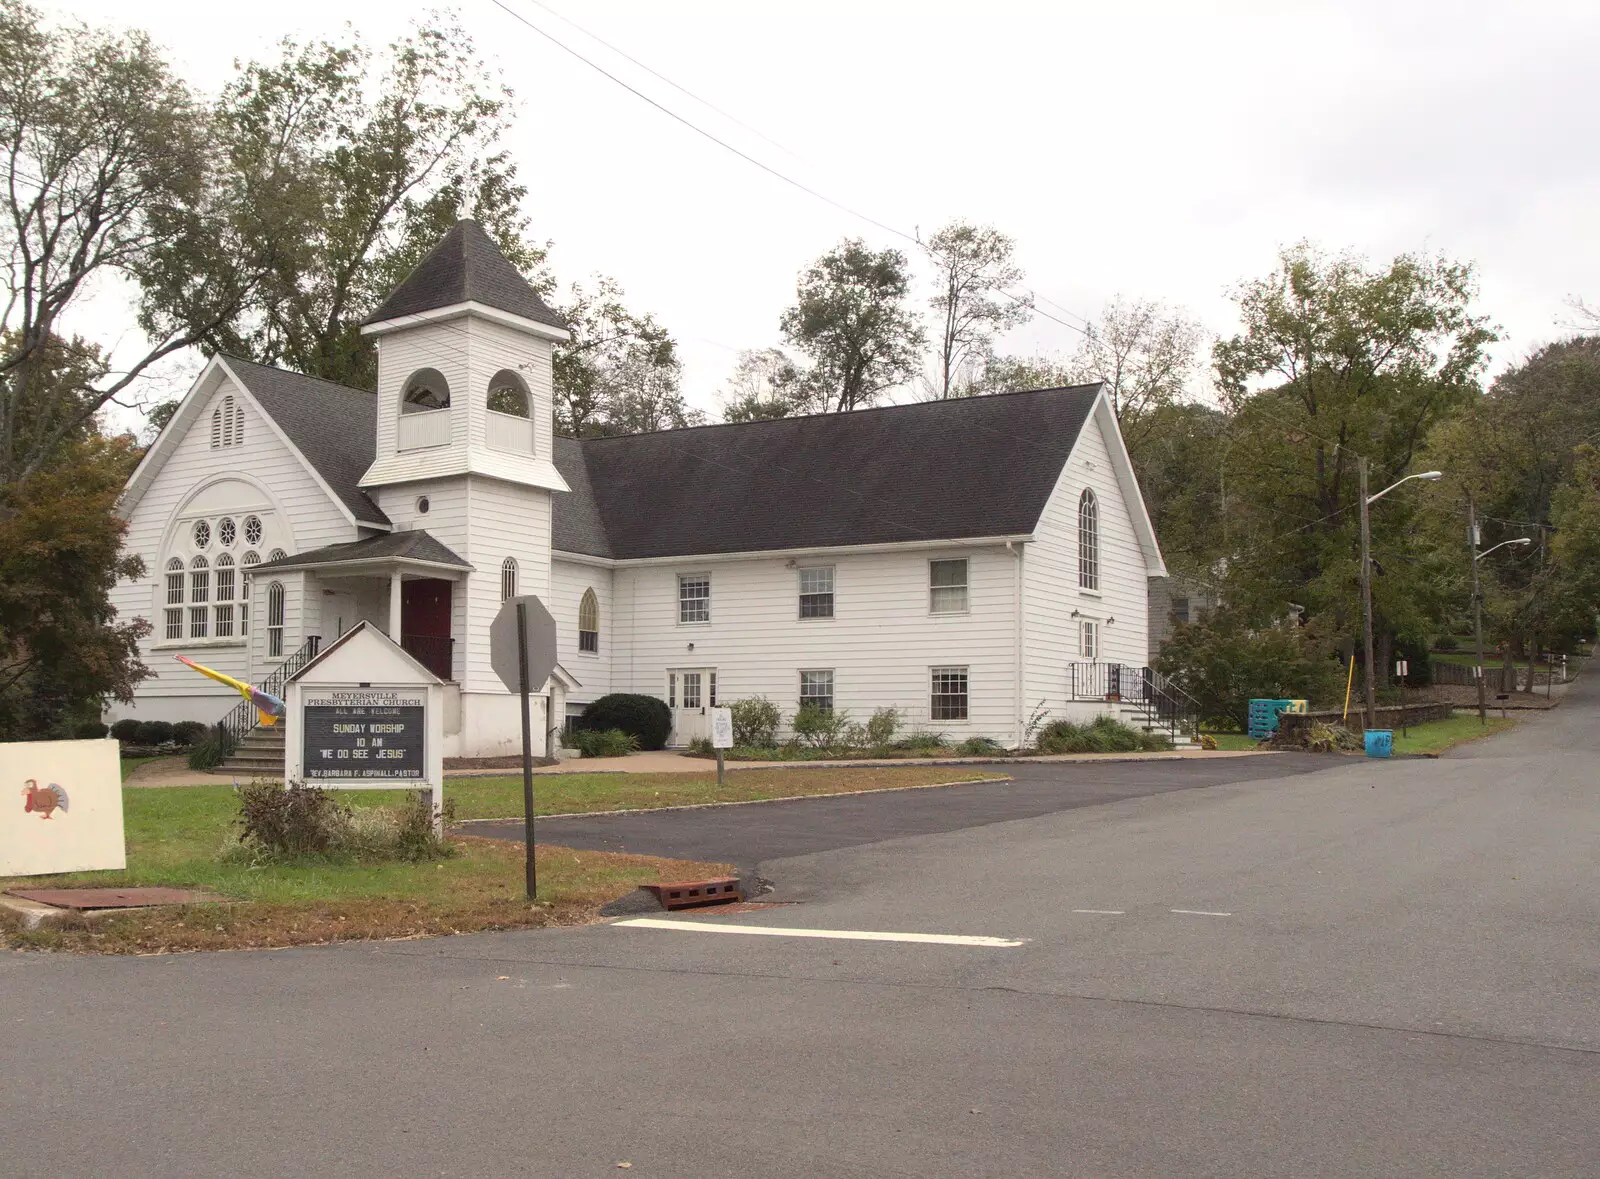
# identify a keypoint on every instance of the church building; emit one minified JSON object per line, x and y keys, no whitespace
{"x":973,"y":563}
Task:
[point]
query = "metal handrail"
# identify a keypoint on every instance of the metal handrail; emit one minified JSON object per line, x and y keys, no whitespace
{"x":1167,"y":704}
{"x":238,"y":723}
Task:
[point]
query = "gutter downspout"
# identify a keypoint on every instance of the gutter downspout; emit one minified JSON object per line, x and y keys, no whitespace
{"x":1016,"y":592}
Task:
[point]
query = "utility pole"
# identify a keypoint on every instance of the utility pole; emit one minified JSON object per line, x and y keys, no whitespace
{"x":1366,"y":599}
{"x":1477,"y":609}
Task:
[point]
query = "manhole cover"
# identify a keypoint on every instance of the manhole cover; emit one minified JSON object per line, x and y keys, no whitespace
{"x":111,"y":898}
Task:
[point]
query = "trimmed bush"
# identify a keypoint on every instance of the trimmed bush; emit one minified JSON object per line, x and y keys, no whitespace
{"x":605,"y":742}
{"x":755,"y":723}
{"x":979,"y":747}
{"x":1104,"y":734}
{"x":89,"y":730}
{"x":126,"y":730}
{"x":647,"y":719}
{"x":154,"y":732}
{"x":820,"y":728}
{"x":186,"y":733}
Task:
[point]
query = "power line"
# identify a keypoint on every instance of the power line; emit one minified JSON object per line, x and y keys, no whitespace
{"x":743,"y":155}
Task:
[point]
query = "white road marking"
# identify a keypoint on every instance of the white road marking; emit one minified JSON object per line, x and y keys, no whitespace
{"x":1103,"y":912}
{"x":1201,"y":913}
{"x":858,"y":935}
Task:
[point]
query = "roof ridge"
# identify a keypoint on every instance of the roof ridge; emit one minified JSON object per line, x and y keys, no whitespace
{"x":840,"y":414}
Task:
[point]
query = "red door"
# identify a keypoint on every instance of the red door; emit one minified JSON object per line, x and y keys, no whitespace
{"x":425,"y":624}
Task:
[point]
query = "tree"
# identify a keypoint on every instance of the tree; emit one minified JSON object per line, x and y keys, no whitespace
{"x":344,"y":168}
{"x":1337,"y":360}
{"x":972,"y":268}
{"x":106,"y":175}
{"x":620,"y":372}
{"x":851,"y":318}
{"x":1147,"y":355}
{"x":1224,"y":662}
{"x":1011,"y":374}
{"x":766,"y":384}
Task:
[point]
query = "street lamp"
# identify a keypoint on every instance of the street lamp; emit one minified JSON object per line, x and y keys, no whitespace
{"x":1477,"y":602}
{"x":1366,"y":576}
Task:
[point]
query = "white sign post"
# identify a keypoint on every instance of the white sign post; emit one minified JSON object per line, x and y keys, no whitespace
{"x":61,"y":807}
{"x":364,"y":715}
{"x":721,"y":735}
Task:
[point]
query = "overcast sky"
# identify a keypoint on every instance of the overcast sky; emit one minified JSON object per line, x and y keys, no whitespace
{"x":1159,"y":150}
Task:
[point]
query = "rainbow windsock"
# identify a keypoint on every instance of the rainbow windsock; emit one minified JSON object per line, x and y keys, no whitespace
{"x":269,"y":708}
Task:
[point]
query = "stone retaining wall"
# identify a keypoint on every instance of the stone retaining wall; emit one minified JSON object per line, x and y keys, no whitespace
{"x":1292,"y":724}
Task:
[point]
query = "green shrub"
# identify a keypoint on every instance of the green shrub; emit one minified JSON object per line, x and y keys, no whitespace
{"x":882,"y":726}
{"x":186,"y":733}
{"x":211,"y":750}
{"x":291,"y":822}
{"x":701,"y":747}
{"x":89,"y":730}
{"x":919,"y":741}
{"x":647,"y":719}
{"x":1104,"y":734}
{"x":154,"y":732}
{"x":604,"y":742}
{"x":1445,"y":643}
{"x":126,"y":730}
{"x":755,"y":722}
{"x":980,"y":747}
{"x":820,"y":728}
{"x":1226,"y":661}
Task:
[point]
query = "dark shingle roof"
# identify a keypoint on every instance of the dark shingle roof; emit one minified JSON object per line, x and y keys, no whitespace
{"x":981,"y":466}
{"x":466,"y":266}
{"x":333,"y":426}
{"x":416,"y":545}
{"x":577,"y":526}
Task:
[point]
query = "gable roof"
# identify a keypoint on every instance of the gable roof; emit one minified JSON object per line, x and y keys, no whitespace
{"x":946,"y":470}
{"x":417,"y":545}
{"x":334,"y":427}
{"x":465,"y":267}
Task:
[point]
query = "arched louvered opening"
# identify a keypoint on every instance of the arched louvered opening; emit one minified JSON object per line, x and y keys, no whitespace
{"x":227,"y":424}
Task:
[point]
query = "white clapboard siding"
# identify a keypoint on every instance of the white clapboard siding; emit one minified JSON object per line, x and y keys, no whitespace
{"x":1051,"y":590}
{"x":881,"y":643}
{"x":259,"y":476}
{"x":568,"y":581}
{"x":504,"y":520}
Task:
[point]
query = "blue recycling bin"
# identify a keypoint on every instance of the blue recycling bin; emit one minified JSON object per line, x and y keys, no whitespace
{"x":1380,"y":742}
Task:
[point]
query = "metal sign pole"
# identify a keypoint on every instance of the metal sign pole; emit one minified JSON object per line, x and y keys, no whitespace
{"x":719,"y":767}
{"x":531,"y":872}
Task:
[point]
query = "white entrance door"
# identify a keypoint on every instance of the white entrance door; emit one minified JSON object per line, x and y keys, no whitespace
{"x":691,"y":691}
{"x":338,"y":615}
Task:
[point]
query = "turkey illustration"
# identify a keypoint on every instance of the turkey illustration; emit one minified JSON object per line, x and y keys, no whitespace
{"x":43,"y":799}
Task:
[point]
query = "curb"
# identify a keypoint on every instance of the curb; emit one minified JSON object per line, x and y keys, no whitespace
{"x":705,"y":806}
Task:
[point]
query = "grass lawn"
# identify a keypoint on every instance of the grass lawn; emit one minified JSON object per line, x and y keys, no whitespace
{"x":1234,"y":741}
{"x":1437,"y":736}
{"x":563,"y":794}
{"x":175,"y":835}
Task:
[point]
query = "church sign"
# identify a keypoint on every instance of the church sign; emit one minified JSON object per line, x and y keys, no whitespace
{"x":364,"y":734}
{"x":364,"y":715}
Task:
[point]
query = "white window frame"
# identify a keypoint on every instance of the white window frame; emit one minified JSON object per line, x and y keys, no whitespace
{"x":1088,"y":639}
{"x":694,"y":578}
{"x":276,"y":610}
{"x":812,"y":697}
{"x":934,"y":695}
{"x":508,"y":579}
{"x":965,"y":587}
{"x":831,"y":593}
{"x":1089,"y":541}
{"x":589,"y":637}
{"x":699,"y":686}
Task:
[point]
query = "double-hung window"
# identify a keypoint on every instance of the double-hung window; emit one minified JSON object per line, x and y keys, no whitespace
{"x":949,"y":694}
{"x":816,"y":687}
{"x":1089,"y":639}
{"x":694,"y":597}
{"x":816,"y":592}
{"x":947,"y":586}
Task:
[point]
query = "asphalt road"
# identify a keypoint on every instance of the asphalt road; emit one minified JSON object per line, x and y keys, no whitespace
{"x":1375,"y":969}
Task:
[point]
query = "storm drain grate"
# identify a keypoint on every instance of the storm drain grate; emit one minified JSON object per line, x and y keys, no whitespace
{"x":686,"y":894}
{"x":111,"y":898}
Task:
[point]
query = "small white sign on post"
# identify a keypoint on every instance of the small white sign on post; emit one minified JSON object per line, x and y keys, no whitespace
{"x":61,"y":810}
{"x":722,"y":728}
{"x":1401,"y":667}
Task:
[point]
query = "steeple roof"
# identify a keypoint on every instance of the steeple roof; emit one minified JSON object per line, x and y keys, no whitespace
{"x":465,"y":267}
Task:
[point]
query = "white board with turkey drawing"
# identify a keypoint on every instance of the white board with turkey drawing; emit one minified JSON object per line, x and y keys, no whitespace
{"x":60,"y":807}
